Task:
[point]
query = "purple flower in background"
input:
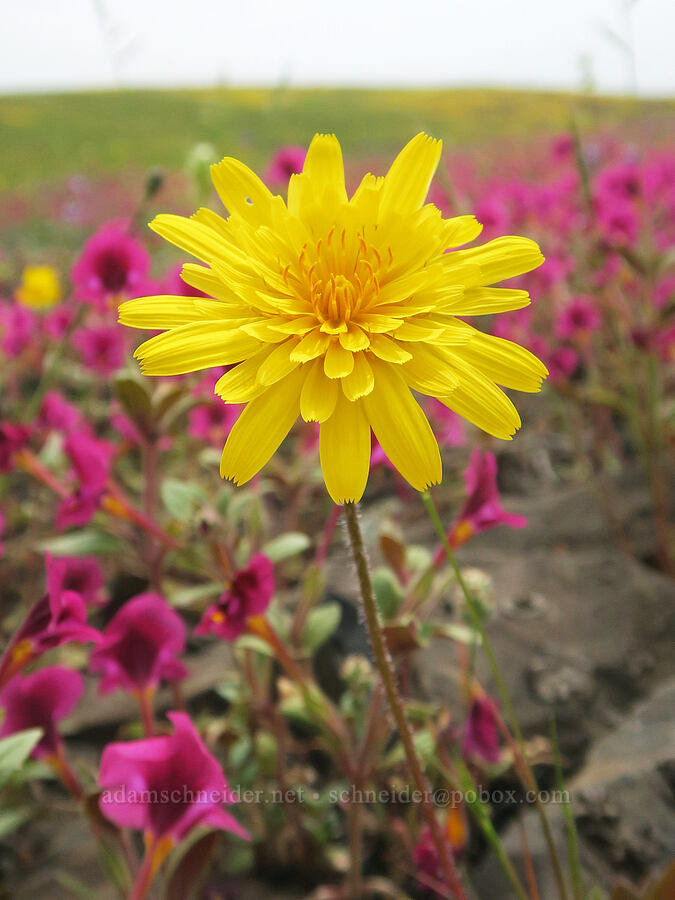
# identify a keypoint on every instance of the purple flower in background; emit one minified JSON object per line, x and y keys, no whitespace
{"x":57,"y":618}
{"x":58,"y":414}
{"x":102,"y":349}
{"x":91,"y":459}
{"x":482,"y":508}
{"x":247,"y":597}
{"x":12,"y":439}
{"x":111,"y":266}
{"x":140,"y":646}
{"x":578,"y":320}
{"x":178,"y":773}
{"x":78,"y":574}
{"x":481,"y":736}
{"x":41,"y":700}
{"x":19,"y":326}
{"x":286,"y":162}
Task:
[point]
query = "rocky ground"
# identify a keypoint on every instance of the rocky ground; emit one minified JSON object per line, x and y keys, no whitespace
{"x":581,"y":630}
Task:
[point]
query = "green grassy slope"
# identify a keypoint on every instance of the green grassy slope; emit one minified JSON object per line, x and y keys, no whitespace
{"x":54,"y":135}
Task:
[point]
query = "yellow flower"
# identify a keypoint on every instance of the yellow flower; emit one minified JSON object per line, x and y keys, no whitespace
{"x":40,"y":287}
{"x":336,"y":309}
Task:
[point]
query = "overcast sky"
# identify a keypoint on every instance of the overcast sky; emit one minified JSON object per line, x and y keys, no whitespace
{"x":74,"y":44}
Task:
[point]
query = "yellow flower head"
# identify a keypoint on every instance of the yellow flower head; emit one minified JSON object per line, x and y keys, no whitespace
{"x":40,"y":287}
{"x":336,"y":309}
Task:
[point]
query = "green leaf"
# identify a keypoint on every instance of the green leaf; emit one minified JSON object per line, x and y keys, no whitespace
{"x":82,"y":543}
{"x":253,"y":642}
{"x":321,"y":623}
{"x":388,"y":592}
{"x":11,"y":819}
{"x":15,"y":750}
{"x":455,"y":631}
{"x":286,"y":545}
{"x":187,"y":597}
{"x":135,"y":399}
{"x":182,"y":498}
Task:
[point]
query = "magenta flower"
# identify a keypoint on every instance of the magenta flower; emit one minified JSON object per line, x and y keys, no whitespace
{"x":112,"y":265}
{"x":91,"y":459}
{"x":78,"y":574}
{"x":286,"y":162}
{"x":140,"y":646}
{"x":12,"y":439}
{"x":482,"y":508}
{"x":165,"y":786}
{"x":481,"y":736}
{"x":578,"y":320}
{"x":57,"y":618}
{"x":41,"y":700}
{"x":57,"y":321}
{"x":247,"y":597}
{"x":212,"y":422}
{"x":20,"y":326}
{"x":58,"y":414}
{"x":562,"y":363}
{"x":102,"y":349}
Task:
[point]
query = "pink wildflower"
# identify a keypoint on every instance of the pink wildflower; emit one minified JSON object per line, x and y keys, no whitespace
{"x":112,"y":265}
{"x":286,"y":162}
{"x":102,"y":349}
{"x":247,"y":597}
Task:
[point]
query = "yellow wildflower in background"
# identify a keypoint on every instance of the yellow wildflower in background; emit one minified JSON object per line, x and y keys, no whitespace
{"x":40,"y":287}
{"x":336,"y":309}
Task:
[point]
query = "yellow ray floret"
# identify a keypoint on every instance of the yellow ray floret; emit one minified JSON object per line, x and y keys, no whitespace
{"x":335,"y":309}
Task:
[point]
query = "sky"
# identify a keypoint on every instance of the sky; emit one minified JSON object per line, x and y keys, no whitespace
{"x":613,"y":46}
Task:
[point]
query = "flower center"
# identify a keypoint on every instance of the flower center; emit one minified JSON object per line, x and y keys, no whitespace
{"x":340,"y":276}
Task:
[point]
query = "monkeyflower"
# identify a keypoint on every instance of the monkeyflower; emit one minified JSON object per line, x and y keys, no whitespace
{"x":482,"y":508}
{"x":247,"y":597}
{"x":578,"y":320}
{"x":78,"y":574}
{"x":41,"y":700}
{"x":335,"y":308}
{"x":19,"y":329}
{"x":139,"y":647}
{"x":286,"y":162}
{"x":164,"y":786}
{"x":91,"y":459}
{"x":60,"y":616}
{"x":40,"y":287}
{"x":112,"y":266}
{"x":13,"y":438}
{"x":481,"y":737}
{"x":101,"y":348}
{"x":58,"y":414}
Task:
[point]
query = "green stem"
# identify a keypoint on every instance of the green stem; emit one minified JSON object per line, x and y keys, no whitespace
{"x":518,"y":744}
{"x":386,"y":669}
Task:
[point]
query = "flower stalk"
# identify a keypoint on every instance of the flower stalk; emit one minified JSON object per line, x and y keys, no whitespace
{"x":385,"y":667}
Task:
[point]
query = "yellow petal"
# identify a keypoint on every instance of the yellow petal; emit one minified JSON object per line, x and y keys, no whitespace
{"x":406,"y":184}
{"x":402,"y":428}
{"x":324,"y":168}
{"x":312,"y":345}
{"x":278,"y":364}
{"x":460,"y":230}
{"x":319,"y":394}
{"x":504,"y":257}
{"x":199,"y":345}
{"x":239,"y":385}
{"x":261,"y":428}
{"x":481,"y":402}
{"x":242,"y":192}
{"x":206,"y":280}
{"x":338,"y":362}
{"x":166,"y":311}
{"x":354,"y":338}
{"x":361,"y":379}
{"x":344,"y":449}
{"x":191,"y":236}
{"x":387,"y":349}
{"x":429,"y":373}
{"x":504,"y":362}
{"x":484,"y":301}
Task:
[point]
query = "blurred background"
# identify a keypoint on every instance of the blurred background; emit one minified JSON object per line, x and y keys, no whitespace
{"x":558,"y":122}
